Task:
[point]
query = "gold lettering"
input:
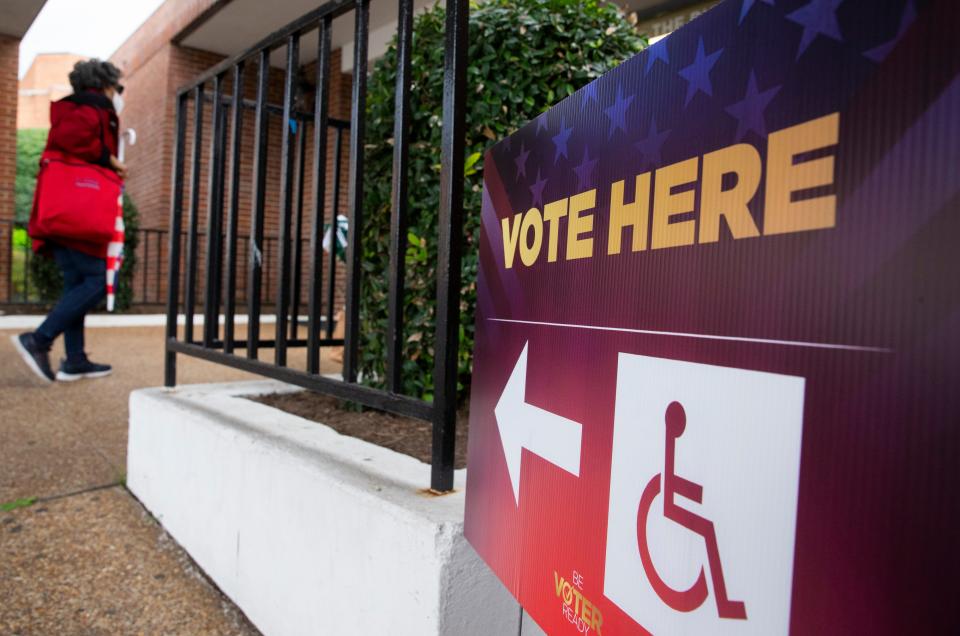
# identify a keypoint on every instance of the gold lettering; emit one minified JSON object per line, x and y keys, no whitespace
{"x":784,"y":177}
{"x":529,"y":252}
{"x":742,"y":160}
{"x":585,"y":608}
{"x":576,"y":606}
{"x":666,"y":204}
{"x":552,"y":213}
{"x":633,"y":214}
{"x":510,"y":237}
{"x":577,"y":225}
{"x":567,"y":593}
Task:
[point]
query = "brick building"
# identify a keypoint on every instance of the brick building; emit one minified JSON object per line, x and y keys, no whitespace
{"x":18,"y":15}
{"x":45,"y":81}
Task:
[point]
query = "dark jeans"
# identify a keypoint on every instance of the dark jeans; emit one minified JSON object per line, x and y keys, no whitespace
{"x":84,"y":286}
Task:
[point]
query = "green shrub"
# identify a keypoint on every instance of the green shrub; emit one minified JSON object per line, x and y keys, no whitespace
{"x":524,"y":56}
{"x":20,"y":240}
{"x":30,"y":143}
{"x":46,"y":280}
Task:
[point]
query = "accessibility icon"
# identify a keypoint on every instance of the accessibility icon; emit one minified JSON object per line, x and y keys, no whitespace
{"x":703,"y":497}
{"x":693,"y":597}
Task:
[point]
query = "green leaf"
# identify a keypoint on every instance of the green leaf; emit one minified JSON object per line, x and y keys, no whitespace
{"x":18,"y":503}
{"x":471,"y":161}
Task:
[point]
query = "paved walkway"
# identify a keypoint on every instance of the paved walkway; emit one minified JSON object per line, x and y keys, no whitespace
{"x":86,"y":558}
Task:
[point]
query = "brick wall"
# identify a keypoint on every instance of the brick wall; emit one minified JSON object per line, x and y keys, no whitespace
{"x":157,"y":32}
{"x":9,"y":60}
{"x":47,"y":80}
{"x":152,"y":69}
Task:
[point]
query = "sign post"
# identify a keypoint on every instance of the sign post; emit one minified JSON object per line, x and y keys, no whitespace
{"x":718,"y":333}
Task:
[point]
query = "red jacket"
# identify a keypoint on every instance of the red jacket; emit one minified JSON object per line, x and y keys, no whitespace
{"x":84,"y":126}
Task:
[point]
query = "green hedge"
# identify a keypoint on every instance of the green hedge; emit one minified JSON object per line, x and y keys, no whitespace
{"x":30,"y":143}
{"x":524,"y":56}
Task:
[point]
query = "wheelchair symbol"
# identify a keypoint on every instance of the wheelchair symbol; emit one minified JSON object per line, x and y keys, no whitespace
{"x":692,"y":598}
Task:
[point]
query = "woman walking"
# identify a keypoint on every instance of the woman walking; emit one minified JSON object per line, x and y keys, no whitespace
{"x":84,"y":130}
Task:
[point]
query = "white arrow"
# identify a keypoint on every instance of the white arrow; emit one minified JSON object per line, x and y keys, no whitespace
{"x":552,"y":437}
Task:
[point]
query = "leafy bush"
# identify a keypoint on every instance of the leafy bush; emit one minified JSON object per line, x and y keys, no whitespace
{"x":524,"y":55}
{"x":30,"y":143}
{"x":46,"y":279}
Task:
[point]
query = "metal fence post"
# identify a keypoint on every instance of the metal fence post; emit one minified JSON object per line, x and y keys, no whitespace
{"x":236,"y":134}
{"x":398,"y":216}
{"x":319,"y":195}
{"x":191,"y":275}
{"x":450,"y":246}
{"x":358,"y":112}
{"x":286,"y":198}
{"x":173,"y":251}
{"x":257,"y":248}
{"x":211,"y":291}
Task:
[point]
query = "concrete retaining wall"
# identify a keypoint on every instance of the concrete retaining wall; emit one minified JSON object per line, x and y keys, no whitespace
{"x":308,"y":531}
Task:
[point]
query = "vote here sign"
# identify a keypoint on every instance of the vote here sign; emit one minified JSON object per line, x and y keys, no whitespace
{"x":718,"y":332}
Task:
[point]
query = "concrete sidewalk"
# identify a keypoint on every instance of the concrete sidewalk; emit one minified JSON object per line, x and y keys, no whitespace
{"x":86,"y":558}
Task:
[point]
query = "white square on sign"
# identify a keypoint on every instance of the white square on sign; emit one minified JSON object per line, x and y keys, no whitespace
{"x":731,"y":438}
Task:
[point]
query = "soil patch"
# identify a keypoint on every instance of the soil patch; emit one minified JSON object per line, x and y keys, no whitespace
{"x":402,"y":434}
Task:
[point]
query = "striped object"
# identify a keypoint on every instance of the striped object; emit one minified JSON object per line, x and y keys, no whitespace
{"x":115,"y":255}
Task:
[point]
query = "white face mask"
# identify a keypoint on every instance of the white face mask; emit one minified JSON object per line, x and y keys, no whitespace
{"x":118,"y":102}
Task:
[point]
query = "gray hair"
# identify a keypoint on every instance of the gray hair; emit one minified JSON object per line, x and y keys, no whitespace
{"x":94,"y":74}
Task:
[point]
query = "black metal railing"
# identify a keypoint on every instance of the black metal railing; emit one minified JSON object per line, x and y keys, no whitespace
{"x":149,"y":267}
{"x":222,"y":239}
{"x":19,"y":285}
{"x":150,"y":272}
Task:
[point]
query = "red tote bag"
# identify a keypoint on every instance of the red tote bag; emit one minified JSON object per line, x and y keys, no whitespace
{"x":75,"y":200}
